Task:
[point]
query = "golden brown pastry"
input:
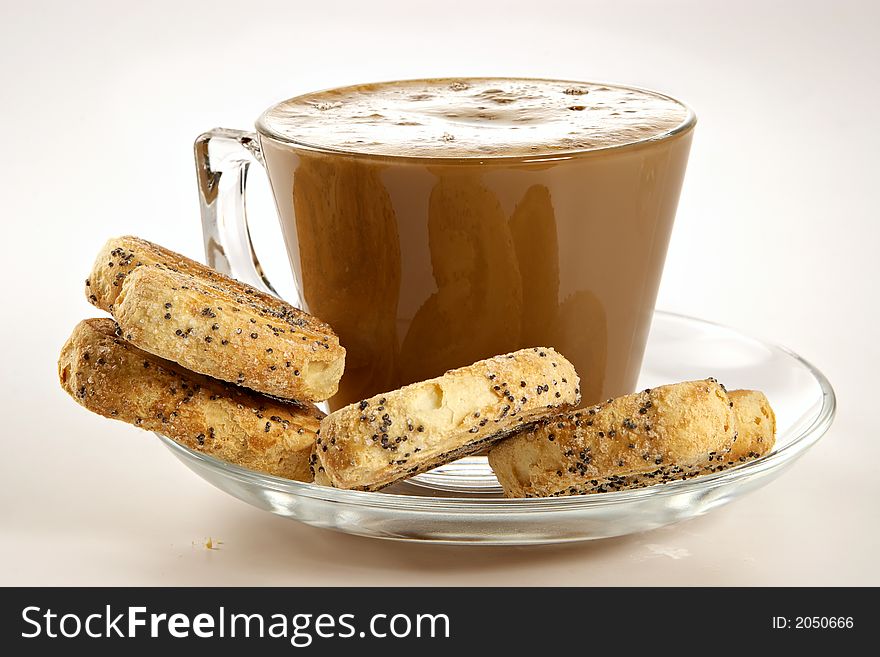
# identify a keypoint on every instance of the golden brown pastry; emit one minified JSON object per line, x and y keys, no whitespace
{"x":755,"y":428}
{"x":648,"y":437}
{"x":113,"y":378}
{"x":121,"y":255}
{"x":185,"y":312}
{"x":388,"y":437}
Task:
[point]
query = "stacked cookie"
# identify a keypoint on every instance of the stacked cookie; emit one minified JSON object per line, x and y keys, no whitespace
{"x":210,"y":362}
{"x":230,"y":371}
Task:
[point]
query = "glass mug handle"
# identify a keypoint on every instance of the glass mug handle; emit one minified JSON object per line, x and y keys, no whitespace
{"x":223,"y":158}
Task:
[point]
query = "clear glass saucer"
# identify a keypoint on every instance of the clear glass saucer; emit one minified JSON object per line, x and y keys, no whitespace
{"x":462,"y":503}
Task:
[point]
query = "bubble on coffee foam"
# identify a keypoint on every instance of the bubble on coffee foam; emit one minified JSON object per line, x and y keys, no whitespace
{"x":324,"y":106}
{"x":459,"y":86}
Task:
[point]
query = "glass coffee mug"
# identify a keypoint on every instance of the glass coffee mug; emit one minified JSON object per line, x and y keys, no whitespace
{"x":462,"y":219}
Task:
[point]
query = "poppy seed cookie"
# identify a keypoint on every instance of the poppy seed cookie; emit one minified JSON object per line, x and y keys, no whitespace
{"x":113,"y":378}
{"x":121,"y":255}
{"x":636,"y":440}
{"x":185,"y":312}
{"x":375,"y":442}
{"x":755,"y":426}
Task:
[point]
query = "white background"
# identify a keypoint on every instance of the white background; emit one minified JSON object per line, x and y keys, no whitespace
{"x":777,"y":234}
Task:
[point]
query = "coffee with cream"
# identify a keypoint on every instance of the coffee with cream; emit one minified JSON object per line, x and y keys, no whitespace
{"x":433,"y":223}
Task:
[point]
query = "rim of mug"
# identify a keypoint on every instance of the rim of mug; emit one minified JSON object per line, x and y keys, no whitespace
{"x":686,"y":125}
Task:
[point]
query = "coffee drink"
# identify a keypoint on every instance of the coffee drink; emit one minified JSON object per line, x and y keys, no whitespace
{"x":434,"y":223}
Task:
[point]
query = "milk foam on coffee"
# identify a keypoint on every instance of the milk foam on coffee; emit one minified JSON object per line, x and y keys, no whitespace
{"x":482,"y":117}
